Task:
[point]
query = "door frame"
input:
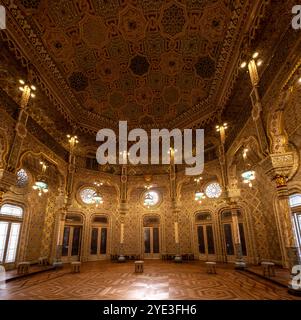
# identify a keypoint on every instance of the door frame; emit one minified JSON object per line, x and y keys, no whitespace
{"x":69,"y":257}
{"x":156,"y":225}
{"x":222,"y":222}
{"x":151,"y":255}
{"x":296,"y":212}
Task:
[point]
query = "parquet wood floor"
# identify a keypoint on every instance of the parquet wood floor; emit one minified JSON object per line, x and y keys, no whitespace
{"x":160,"y":280}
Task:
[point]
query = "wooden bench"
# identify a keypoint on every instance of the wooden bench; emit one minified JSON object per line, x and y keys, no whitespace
{"x":75,"y":266}
{"x":211,"y":267}
{"x":23,"y":267}
{"x":268,"y":269}
{"x":139,"y":266}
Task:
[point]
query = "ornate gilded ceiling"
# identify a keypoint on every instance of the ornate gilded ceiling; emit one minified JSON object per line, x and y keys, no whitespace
{"x":148,"y":62}
{"x":155,"y":63}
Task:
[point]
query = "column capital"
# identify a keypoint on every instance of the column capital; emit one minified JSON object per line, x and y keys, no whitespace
{"x":7,"y":179}
{"x":233,"y":195}
{"x":278,"y":166}
{"x":123,"y":208}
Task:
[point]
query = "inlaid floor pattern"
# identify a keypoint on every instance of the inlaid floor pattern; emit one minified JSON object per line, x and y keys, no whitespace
{"x":160,"y":280}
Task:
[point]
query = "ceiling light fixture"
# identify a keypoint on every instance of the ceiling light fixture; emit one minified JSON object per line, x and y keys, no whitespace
{"x":243,"y":65}
{"x":255,"y":55}
{"x":219,"y":128}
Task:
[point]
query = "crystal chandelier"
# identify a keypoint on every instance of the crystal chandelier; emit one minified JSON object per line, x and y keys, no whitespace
{"x":199,"y":195}
{"x":41,"y":185}
{"x":248,"y":177}
{"x":97,"y":198}
{"x":148,"y":200}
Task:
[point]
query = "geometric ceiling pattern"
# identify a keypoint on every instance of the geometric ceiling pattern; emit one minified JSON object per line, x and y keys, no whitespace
{"x":142,"y":61}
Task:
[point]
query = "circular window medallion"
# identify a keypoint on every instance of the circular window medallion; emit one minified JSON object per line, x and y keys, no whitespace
{"x":87,"y":195}
{"x":213,"y":190}
{"x":150,"y":198}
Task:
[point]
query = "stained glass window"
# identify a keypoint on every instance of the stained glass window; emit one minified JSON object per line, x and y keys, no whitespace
{"x":213,"y":190}
{"x":22,"y":178}
{"x":87,"y":195}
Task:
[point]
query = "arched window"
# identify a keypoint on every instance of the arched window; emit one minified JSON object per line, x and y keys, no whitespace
{"x":203,"y":216}
{"x":10,"y":226}
{"x":213,"y":190}
{"x":295,"y":200}
{"x":74,"y":218}
{"x":100,"y":219}
{"x":22,"y":178}
{"x":295,"y":204}
{"x":11,"y":210}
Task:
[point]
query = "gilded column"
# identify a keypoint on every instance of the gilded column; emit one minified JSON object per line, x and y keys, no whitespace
{"x":234,"y":195}
{"x":66,"y":199}
{"x":278,"y":166}
{"x":7,"y":175}
{"x":123,"y":205}
{"x":257,"y":106}
{"x":222,"y":157}
{"x":174,"y":205}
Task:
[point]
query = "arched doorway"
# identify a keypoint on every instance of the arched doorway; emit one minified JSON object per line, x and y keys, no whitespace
{"x":205,"y":236}
{"x":227,"y":229}
{"x":98,"y":238}
{"x":151,"y":237}
{"x":72,"y":238}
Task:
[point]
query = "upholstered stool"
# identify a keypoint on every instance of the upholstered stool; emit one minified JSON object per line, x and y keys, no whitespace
{"x":268,"y":269}
{"x":75,"y":266}
{"x":43,"y":261}
{"x":240,"y":265}
{"x":23,"y":267}
{"x":211,"y":267}
{"x":139,"y":266}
